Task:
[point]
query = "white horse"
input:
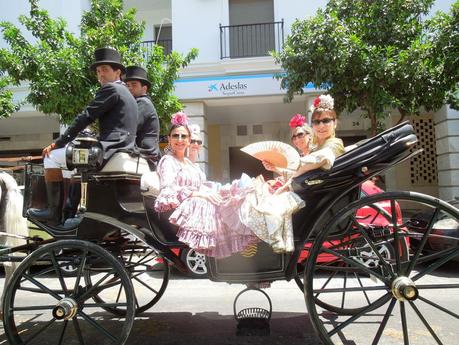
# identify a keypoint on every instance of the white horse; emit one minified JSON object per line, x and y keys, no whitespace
{"x":11,"y":222}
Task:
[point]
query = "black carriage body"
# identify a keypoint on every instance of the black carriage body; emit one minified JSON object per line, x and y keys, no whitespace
{"x":114,"y":195}
{"x":117,"y":196}
{"x":325,"y":192}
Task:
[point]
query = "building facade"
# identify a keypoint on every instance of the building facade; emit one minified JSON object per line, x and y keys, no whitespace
{"x":231,"y":91}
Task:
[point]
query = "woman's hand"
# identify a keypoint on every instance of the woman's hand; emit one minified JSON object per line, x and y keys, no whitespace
{"x":48,"y":149}
{"x":270,"y":167}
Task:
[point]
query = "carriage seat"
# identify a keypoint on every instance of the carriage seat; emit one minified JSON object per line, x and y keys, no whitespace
{"x":122,"y":162}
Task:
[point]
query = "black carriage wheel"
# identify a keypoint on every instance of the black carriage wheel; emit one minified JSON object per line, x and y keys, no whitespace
{"x":387,"y":251}
{"x":42,"y":304}
{"x":149,"y":274}
{"x":407,"y":299}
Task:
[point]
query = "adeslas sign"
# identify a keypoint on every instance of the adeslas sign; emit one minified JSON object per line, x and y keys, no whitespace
{"x":227,"y":86}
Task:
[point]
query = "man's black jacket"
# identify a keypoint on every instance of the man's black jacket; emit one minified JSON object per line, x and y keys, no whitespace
{"x":116,"y":110}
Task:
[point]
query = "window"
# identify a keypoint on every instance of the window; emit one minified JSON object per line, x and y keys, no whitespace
{"x":163,"y":37}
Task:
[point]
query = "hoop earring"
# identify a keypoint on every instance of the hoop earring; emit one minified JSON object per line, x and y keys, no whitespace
{"x":168,"y":150}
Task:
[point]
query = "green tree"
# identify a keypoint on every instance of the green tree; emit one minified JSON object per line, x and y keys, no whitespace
{"x":7,"y":106}
{"x":57,"y":64}
{"x":375,"y":55}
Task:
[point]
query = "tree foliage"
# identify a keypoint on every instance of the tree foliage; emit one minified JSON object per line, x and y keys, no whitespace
{"x":7,"y":106}
{"x":375,"y":55}
{"x":56,"y":64}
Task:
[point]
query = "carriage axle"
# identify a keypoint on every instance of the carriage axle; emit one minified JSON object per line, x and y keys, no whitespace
{"x":404,"y":289}
{"x":65,"y":309}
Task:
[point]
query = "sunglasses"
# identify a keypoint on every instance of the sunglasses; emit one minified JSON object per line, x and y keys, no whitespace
{"x":180,"y":136}
{"x":325,"y":121}
{"x":195,"y":141}
{"x":298,"y":136}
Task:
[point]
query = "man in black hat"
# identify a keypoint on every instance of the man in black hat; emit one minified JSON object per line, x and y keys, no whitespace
{"x":116,"y":110}
{"x":147,"y":139}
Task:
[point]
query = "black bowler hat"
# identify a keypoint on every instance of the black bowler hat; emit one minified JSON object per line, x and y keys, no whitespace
{"x":137,"y":73}
{"x":107,"y":56}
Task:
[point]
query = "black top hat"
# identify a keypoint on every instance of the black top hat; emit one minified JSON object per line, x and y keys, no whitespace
{"x":107,"y":56}
{"x":137,"y":73}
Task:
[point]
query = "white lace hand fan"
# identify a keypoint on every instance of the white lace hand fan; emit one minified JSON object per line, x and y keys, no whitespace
{"x":277,"y":153}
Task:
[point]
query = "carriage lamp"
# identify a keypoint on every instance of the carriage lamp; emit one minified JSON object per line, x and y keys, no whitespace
{"x":85,"y":154}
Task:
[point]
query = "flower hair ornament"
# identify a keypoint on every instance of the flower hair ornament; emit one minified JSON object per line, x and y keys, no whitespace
{"x":297,"y":121}
{"x":195,"y":129}
{"x":323,"y":102}
{"x":179,"y":119}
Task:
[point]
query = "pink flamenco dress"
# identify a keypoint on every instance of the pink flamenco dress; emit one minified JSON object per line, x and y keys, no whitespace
{"x":199,"y":221}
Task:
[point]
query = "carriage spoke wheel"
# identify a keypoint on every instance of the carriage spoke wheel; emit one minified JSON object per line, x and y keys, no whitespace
{"x":149,"y":274}
{"x":396,"y":296}
{"x":43,"y":306}
{"x":346,"y":306}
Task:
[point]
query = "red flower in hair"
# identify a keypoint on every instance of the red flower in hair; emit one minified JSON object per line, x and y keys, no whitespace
{"x":297,"y":121}
{"x":316,"y":102}
{"x":179,"y":119}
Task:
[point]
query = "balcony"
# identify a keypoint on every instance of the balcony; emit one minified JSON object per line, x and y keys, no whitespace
{"x":250,"y":40}
{"x":165,"y":43}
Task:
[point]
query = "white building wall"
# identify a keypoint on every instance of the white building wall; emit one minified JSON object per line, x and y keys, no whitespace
{"x":290,"y":10}
{"x":447,"y":136}
{"x":196,"y":25}
{"x":70,"y":11}
{"x":154,"y":18}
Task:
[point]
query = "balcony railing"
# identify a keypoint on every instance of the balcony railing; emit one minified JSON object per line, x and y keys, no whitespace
{"x":248,"y":40}
{"x":166,"y":44}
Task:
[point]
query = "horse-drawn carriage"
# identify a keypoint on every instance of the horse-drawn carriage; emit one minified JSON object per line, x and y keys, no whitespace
{"x":367,"y":275}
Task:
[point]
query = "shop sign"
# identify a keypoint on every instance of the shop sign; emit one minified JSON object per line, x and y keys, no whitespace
{"x":228,"y":86}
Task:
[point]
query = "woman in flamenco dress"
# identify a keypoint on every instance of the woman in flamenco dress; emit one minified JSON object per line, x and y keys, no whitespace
{"x":195,"y":203}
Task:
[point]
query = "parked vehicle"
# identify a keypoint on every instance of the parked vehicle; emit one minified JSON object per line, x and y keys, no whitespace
{"x":194,"y":261}
{"x":443,"y":230}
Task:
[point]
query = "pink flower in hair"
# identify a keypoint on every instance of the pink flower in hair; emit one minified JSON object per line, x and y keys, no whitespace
{"x":297,"y":121}
{"x":179,"y":119}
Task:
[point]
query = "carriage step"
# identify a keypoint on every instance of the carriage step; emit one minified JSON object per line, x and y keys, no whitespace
{"x":252,"y":321}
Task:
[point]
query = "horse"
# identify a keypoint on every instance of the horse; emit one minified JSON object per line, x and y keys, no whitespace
{"x":13,"y":226}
